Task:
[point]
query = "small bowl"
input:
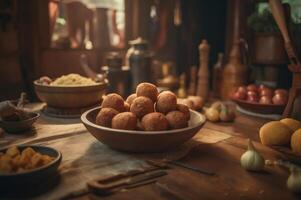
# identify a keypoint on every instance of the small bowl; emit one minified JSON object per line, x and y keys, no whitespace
{"x":31,"y":181}
{"x":70,"y":96}
{"x":18,"y":126}
{"x":142,"y":141}
{"x":260,"y":108}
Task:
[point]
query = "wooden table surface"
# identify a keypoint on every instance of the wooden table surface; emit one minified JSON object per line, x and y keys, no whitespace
{"x":217,"y":147}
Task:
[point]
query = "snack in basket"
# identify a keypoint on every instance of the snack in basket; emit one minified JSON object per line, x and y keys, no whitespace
{"x":154,"y":122}
{"x":143,"y":115}
{"x":125,"y":121}
{"x":14,"y":160}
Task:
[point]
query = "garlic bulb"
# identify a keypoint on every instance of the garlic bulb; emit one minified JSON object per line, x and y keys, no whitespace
{"x":251,"y":159}
{"x":294,"y":180}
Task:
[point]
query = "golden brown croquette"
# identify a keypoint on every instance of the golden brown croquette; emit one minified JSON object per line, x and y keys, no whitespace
{"x":154,"y":122}
{"x":125,"y":121}
{"x":131,"y":98}
{"x":176,"y":120}
{"x":142,"y":106}
{"x":105,"y":116}
{"x":184,"y":109}
{"x":147,"y":90}
{"x":167,"y":101}
{"x":113,"y":101}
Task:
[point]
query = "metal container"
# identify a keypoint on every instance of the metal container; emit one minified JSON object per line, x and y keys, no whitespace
{"x":118,"y":75}
{"x":139,"y":60}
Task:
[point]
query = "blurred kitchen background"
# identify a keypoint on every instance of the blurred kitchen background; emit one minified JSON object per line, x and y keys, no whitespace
{"x":48,"y":37}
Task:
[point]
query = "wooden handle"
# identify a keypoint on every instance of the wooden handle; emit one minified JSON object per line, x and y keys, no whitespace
{"x":278,"y":13}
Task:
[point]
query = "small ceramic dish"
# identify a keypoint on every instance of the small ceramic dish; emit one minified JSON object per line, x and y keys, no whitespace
{"x":142,"y":141}
{"x":32,"y":180}
{"x":18,"y":126}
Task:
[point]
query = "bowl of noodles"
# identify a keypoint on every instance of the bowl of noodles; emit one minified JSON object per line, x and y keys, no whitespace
{"x":70,"y":91}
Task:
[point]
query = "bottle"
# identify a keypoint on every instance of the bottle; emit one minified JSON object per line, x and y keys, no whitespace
{"x":139,"y":60}
{"x":118,"y":75}
{"x":217,"y":75}
{"x":203,"y":73}
{"x":235,"y":72}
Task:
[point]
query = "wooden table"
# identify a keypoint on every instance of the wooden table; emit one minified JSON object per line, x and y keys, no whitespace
{"x":217,"y":147}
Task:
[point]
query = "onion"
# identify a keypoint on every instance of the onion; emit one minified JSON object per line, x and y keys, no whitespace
{"x":252,"y":87}
{"x":265,"y":100}
{"x":279,"y":99}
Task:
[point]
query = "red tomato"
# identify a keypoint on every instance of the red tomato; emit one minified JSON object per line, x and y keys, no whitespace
{"x":265,"y":100}
{"x":252,"y":87}
{"x":279,"y":99}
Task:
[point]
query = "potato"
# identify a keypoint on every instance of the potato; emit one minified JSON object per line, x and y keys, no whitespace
{"x":46,"y":159}
{"x":13,"y":151}
{"x":275,"y":133}
{"x":28,"y":151}
{"x":291,"y":123}
{"x":15,"y":161}
{"x":5,"y":164}
{"x":296,"y":142}
{"x":37,"y":160}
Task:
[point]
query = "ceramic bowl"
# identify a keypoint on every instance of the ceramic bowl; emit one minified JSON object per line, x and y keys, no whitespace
{"x":142,"y":141}
{"x":31,"y":181}
{"x":19,"y":126}
{"x":70,"y":97}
